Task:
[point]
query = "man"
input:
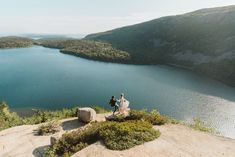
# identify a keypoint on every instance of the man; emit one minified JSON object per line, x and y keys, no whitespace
{"x":113,"y":103}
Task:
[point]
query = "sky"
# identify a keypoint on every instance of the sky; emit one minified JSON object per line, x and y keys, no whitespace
{"x":89,"y":16}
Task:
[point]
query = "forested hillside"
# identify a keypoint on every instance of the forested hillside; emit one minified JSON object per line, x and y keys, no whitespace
{"x":202,"y":40}
{"x":88,"y":49}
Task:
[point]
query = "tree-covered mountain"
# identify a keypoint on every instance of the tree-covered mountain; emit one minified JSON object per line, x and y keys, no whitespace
{"x":203,"y":41}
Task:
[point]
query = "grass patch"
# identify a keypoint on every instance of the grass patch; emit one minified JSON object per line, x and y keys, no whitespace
{"x":125,"y":135}
{"x":46,"y":116}
{"x":115,"y":135}
{"x":99,"y":109}
{"x":199,"y":125}
{"x":153,"y":117}
{"x":49,"y":128}
{"x":173,"y":120}
{"x":9,"y":119}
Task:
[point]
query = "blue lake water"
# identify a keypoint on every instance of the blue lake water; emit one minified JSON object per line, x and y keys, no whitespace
{"x":39,"y":77}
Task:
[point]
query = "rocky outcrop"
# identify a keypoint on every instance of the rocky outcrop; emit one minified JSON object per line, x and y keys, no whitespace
{"x":175,"y":140}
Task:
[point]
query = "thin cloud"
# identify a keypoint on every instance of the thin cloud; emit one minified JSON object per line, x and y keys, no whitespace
{"x":68,"y":24}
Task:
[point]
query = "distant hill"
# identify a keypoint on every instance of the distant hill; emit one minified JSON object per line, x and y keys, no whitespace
{"x":203,"y":40}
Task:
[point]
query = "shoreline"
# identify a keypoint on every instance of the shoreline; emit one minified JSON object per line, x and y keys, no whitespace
{"x":130,"y":62}
{"x":134,"y":62}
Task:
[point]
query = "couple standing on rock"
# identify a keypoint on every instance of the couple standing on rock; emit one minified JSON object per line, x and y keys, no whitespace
{"x":123,"y":105}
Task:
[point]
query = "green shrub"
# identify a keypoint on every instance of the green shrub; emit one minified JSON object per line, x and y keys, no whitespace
{"x":7,"y":118}
{"x":119,"y":118}
{"x":52,"y":151}
{"x":99,"y":109}
{"x":152,"y":117}
{"x":77,"y":139}
{"x":49,"y":128}
{"x":125,"y":135}
{"x":174,"y":121}
{"x":10,"y":119}
{"x":199,"y":125}
{"x":115,"y":135}
{"x":46,"y":116}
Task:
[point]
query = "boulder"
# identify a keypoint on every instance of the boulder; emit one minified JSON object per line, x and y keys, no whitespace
{"x":86,"y":114}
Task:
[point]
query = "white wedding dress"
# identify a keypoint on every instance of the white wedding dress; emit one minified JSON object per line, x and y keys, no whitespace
{"x":124,"y":104}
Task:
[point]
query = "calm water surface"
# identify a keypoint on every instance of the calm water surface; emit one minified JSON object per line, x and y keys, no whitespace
{"x":40,"y":77}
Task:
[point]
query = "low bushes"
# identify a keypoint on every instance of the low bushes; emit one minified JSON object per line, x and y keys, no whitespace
{"x":115,"y":135}
{"x":10,"y":119}
{"x":49,"y":128}
{"x":124,"y":135}
{"x":153,"y":117}
{"x":7,"y":118}
{"x":199,"y":125}
{"x":99,"y":109}
{"x":46,"y":116}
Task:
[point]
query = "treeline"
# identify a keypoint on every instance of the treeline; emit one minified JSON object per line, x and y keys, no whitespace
{"x":15,"y":42}
{"x":88,"y":49}
{"x":84,"y":48}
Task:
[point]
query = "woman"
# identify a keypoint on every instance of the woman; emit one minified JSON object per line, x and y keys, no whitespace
{"x":124,"y":104}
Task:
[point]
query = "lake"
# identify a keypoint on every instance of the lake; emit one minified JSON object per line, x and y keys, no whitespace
{"x":44,"y":78}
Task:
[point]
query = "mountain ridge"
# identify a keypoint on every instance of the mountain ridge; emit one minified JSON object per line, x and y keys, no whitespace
{"x":199,"y":40}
